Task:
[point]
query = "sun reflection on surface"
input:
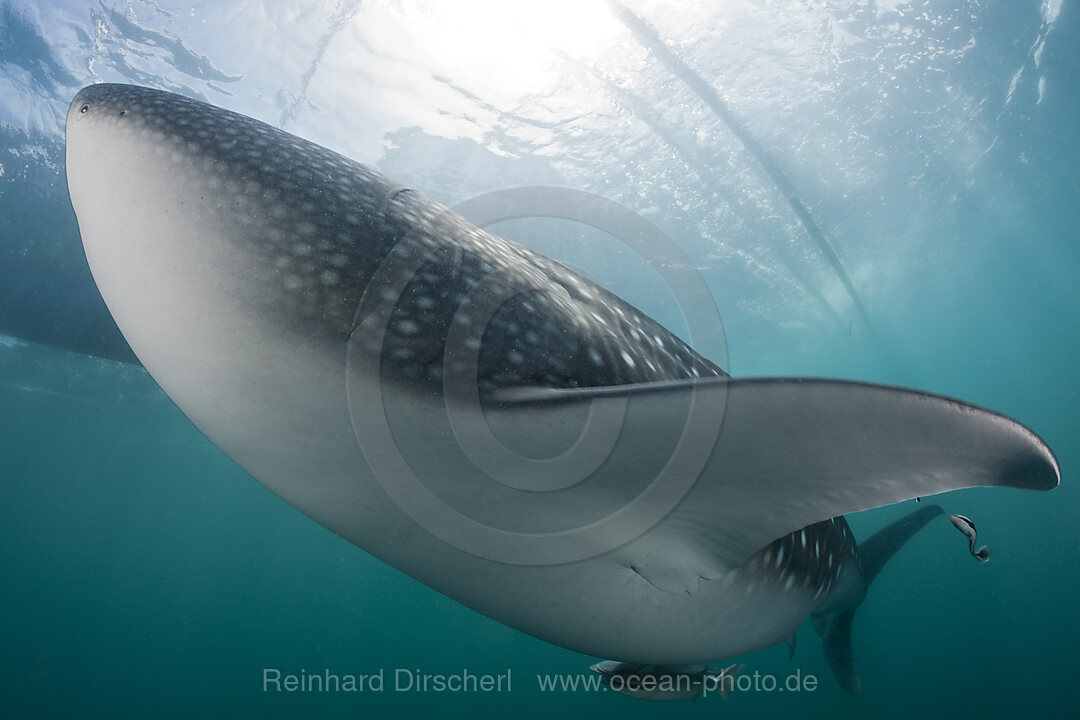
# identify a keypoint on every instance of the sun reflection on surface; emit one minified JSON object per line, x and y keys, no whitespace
{"x":509,"y":48}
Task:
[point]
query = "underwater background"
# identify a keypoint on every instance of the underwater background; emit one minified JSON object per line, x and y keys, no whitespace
{"x":933,"y":146}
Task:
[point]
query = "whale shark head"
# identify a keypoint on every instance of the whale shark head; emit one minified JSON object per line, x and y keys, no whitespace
{"x":224,"y":221}
{"x":477,"y":415}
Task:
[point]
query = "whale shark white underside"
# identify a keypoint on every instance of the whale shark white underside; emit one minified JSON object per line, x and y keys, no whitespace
{"x":325,"y":326}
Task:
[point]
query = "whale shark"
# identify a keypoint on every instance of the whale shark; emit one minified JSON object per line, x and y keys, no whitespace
{"x":487,"y":420}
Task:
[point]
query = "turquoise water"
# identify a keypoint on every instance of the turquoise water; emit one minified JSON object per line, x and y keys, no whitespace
{"x":934,"y":143}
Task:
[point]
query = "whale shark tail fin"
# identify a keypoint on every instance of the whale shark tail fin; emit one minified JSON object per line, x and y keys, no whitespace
{"x":835,"y":632}
{"x":874,"y":552}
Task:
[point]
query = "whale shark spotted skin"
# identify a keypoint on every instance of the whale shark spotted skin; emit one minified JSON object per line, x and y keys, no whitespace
{"x":308,"y":315}
{"x":822,"y":561}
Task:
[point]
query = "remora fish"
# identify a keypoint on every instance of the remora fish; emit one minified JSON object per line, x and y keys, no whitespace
{"x":666,"y":684}
{"x":967,"y":528}
{"x":349,"y":342}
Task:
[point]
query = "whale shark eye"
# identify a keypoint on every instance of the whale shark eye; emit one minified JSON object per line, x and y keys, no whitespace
{"x":84,"y":108}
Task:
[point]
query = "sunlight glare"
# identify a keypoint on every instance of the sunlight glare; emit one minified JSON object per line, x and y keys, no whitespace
{"x":512,"y":48}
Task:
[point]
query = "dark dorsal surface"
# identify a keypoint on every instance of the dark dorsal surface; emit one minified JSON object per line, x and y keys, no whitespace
{"x":335,"y":225}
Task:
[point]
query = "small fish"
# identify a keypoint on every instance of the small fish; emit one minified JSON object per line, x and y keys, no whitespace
{"x":967,"y":527}
{"x":660,"y":683}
